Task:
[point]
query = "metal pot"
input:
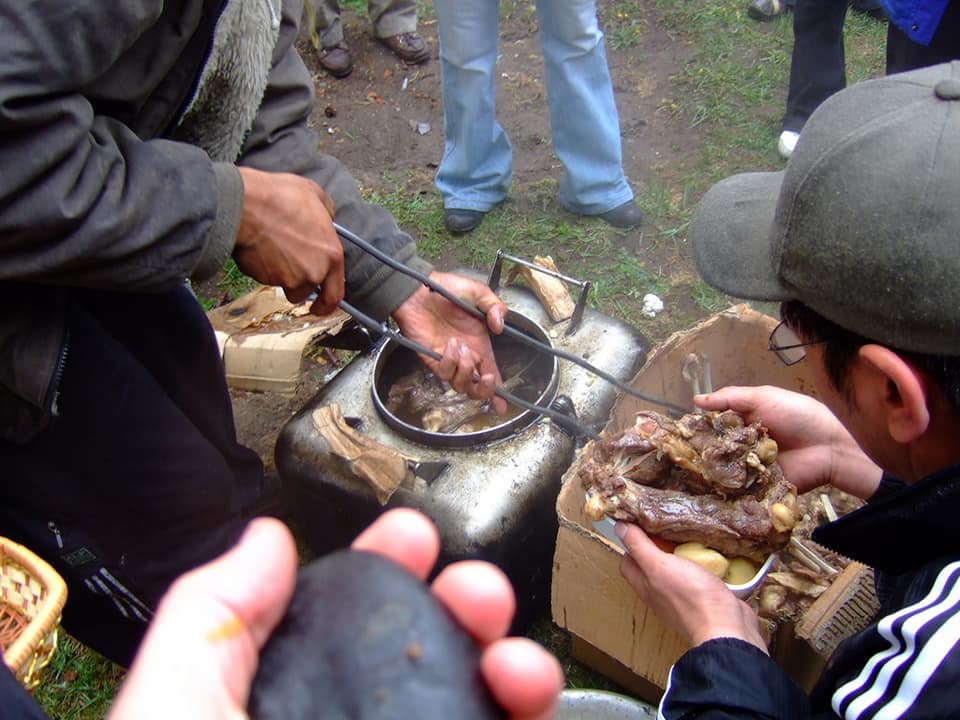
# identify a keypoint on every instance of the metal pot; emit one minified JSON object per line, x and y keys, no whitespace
{"x":602,"y":705}
{"x":393,"y":361}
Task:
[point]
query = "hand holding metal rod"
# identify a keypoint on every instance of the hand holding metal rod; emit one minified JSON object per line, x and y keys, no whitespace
{"x":568,"y":423}
{"x":509,"y":331}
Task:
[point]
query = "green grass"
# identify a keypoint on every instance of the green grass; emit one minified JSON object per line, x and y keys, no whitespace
{"x":78,"y":684}
{"x":624,"y":23}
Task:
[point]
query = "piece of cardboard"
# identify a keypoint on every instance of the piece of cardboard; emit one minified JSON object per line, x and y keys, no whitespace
{"x":262,"y":336}
{"x":589,"y":597}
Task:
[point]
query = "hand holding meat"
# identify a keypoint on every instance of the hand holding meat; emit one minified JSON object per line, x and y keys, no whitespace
{"x":683,"y":594}
{"x":286,"y":238}
{"x":814,"y":447}
{"x":706,"y":477}
{"x":464,"y":342}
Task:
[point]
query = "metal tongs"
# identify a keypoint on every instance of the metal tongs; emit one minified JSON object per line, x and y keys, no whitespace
{"x":565,"y":421}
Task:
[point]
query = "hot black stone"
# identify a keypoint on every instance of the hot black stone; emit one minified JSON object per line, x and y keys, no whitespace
{"x":364,"y":640}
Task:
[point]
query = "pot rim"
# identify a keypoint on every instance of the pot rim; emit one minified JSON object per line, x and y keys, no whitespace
{"x":508,"y":428}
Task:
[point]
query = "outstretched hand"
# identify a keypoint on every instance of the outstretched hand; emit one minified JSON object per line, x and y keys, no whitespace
{"x":462,"y":339}
{"x":200,"y":654}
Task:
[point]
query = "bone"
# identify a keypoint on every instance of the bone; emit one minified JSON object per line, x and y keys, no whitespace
{"x":696,"y":371}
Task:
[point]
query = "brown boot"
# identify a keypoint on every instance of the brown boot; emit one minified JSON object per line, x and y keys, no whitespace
{"x":408,"y":46}
{"x":336,"y":59}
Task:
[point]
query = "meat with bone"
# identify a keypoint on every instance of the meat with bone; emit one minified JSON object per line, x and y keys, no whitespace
{"x":707,"y":477}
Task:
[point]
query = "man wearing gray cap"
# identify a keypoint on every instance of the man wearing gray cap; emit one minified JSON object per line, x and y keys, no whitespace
{"x":858,"y":239}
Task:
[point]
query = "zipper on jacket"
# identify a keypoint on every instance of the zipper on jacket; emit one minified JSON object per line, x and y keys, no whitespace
{"x":53,"y":391}
{"x":56,"y":533}
{"x":274,"y":19}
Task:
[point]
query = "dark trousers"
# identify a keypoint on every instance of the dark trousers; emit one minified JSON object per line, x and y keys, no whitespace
{"x":903,"y":54}
{"x":817,"y":65}
{"x":140,"y":476}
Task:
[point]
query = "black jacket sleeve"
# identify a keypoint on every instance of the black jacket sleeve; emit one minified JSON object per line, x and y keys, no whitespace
{"x":726,"y":678}
{"x":84,"y":200}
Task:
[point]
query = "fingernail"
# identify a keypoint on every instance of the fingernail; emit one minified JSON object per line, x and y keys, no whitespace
{"x":620,"y":530}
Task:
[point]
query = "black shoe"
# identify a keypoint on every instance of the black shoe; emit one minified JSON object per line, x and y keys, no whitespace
{"x":764,"y":10}
{"x":627,"y":215}
{"x":462,"y":221}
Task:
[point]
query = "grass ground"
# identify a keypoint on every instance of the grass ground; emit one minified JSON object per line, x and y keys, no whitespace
{"x":731,"y":90}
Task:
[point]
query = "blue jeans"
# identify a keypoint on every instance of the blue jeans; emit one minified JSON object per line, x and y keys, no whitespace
{"x":475,"y":171}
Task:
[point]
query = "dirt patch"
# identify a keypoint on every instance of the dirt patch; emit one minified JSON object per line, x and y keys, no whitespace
{"x":387,"y":117}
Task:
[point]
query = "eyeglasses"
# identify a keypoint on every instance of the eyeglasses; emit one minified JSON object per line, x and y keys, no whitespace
{"x":788,"y":347}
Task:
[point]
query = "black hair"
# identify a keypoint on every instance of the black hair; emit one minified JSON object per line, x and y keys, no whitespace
{"x":841,"y":347}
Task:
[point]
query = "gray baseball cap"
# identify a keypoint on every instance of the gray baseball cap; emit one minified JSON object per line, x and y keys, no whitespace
{"x":863,"y":225}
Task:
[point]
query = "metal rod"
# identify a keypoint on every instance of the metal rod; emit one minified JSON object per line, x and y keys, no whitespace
{"x":507,"y":330}
{"x":568,"y":423}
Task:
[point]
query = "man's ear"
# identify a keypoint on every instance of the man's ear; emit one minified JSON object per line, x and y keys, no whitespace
{"x":902,"y":392}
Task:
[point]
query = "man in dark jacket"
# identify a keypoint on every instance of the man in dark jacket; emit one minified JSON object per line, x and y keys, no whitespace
{"x":143,"y":143}
{"x":858,"y":238}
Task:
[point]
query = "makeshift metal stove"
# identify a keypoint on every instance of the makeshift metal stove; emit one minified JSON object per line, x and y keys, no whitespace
{"x":492,"y":491}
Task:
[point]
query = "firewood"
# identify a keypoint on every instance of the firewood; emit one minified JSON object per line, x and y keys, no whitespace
{"x":552,"y":292}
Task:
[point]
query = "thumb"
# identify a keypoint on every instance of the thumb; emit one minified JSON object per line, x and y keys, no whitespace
{"x":200,"y":654}
{"x":635,"y":541}
{"x":494,"y":308}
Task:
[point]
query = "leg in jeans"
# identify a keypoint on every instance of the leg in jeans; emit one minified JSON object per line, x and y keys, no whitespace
{"x":583,"y":114}
{"x":475,"y":171}
{"x":904,"y":54}
{"x":817,"y":66}
{"x":140,"y":477}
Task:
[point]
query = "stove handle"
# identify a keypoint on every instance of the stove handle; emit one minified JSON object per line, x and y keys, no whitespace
{"x":493,"y":281}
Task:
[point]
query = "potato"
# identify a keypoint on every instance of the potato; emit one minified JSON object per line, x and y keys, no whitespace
{"x":703,"y":556}
{"x":363,"y":638}
{"x":740,"y":571}
{"x":782,"y":517}
{"x":772,"y":598}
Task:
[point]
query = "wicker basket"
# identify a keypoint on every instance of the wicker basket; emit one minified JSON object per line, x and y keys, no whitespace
{"x":32,"y":595}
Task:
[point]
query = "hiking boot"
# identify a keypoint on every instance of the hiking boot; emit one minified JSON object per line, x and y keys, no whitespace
{"x":336,"y":59}
{"x":764,"y":10}
{"x":459,"y":221}
{"x":408,"y":46}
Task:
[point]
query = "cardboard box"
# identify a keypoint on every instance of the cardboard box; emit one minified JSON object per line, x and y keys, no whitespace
{"x":589,"y":597}
{"x":262,"y":337}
